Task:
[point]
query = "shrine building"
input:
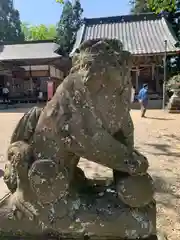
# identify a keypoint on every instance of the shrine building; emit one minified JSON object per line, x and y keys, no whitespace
{"x":146,"y":36}
{"x":27,"y":68}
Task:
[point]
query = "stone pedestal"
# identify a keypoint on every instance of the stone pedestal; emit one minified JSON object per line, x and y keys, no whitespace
{"x":86,"y":208}
{"x":50,"y":236}
{"x":174,"y":102}
{"x":95,"y":215}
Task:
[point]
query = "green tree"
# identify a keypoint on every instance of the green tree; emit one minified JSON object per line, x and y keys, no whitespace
{"x":60,"y":1}
{"x":140,"y":6}
{"x":165,"y":5}
{"x":69,"y":23}
{"x":25,"y":30}
{"x":10,"y":24}
{"x":39,"y":32}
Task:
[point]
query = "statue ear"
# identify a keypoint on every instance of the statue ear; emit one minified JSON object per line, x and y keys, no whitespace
{"x":100,"y":46}
{"x":88,"y":44}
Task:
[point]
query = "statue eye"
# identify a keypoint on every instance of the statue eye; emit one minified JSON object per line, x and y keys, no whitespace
{"x":10,"y":154}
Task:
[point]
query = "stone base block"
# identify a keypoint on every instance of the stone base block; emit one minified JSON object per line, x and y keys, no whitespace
{"x":99,"y":215}
{"x":174,"y":104}
{"x":20,"y":236}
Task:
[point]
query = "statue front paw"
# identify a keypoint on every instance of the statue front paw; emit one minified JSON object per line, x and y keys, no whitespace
{"x":137,"y":163}
{"x":47,"y":182}
{"x":135,"y":191}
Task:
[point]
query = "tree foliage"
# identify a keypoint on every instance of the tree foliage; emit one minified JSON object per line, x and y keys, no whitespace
{"x":140,"y":6}
{"x":10,"y":24}
{"x":68,"y":25}
{"x":174,"y":82}
{"x":39,"y":32}
{"x":60,"y":1}
{"x":162,"y":5}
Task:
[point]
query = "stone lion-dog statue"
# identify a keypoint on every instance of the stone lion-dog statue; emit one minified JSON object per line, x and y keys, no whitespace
{"x":89,"y":117}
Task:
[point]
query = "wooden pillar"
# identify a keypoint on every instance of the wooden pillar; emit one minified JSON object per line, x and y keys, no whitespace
{"x":153,"y":79}
{"x":31,"y":81}
{"x":158,"y":88}
{"x":153,"y":72}
{"x":13,"y":85}
{"x":137,"y":78}
{"x":50,"y":83}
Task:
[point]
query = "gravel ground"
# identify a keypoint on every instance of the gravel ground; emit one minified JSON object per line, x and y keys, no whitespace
{"x":157,"y":136}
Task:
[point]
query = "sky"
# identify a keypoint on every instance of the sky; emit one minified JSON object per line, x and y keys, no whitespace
{"x":48,"y":11}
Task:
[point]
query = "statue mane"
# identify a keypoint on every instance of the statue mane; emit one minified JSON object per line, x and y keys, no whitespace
{"x":97,"y":59}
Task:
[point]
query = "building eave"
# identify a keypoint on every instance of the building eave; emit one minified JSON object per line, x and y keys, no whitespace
{"x":94,"y":28}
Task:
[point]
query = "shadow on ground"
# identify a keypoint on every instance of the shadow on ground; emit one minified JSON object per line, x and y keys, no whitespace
{"x":165,"y":195}
{"x":163,"y":150}
{"x":172,"y":136}
{"x":161,"y":119}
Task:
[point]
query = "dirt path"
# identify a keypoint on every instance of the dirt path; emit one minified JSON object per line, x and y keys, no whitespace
{"x":158,"y":137}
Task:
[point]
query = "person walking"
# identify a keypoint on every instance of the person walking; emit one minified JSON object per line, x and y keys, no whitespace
{"x":143,"y":99}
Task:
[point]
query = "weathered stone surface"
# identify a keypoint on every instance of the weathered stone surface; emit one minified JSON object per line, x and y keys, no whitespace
{"x":87,"y":117}
{"x":47,"y":181}
{"x":88,"y":215}
{"x":174,"y":102}
{"x":98,"y":219}
{"x":136,"y":191}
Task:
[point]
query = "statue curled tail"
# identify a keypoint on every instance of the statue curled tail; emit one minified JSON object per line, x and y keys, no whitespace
{"x":22,"y":133}
{"x":26,"y":126}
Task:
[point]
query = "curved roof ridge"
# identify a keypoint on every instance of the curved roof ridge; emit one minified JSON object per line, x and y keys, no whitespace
{"x":140,"y":34}
{"x":124,"y":18}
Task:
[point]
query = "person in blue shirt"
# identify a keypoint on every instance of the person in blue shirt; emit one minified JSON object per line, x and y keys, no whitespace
{"x":143,"y":99}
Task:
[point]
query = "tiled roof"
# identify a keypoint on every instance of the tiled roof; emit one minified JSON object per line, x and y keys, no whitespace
{"x":140,"y":34}
{"x":29,"y":50}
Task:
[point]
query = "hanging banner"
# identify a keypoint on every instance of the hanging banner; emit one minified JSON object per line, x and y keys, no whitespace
{"x":50,"y":89}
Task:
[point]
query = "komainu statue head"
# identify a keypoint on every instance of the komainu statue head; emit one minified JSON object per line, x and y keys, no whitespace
{"x":103,"y":60}
{"x":105,"y":67}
